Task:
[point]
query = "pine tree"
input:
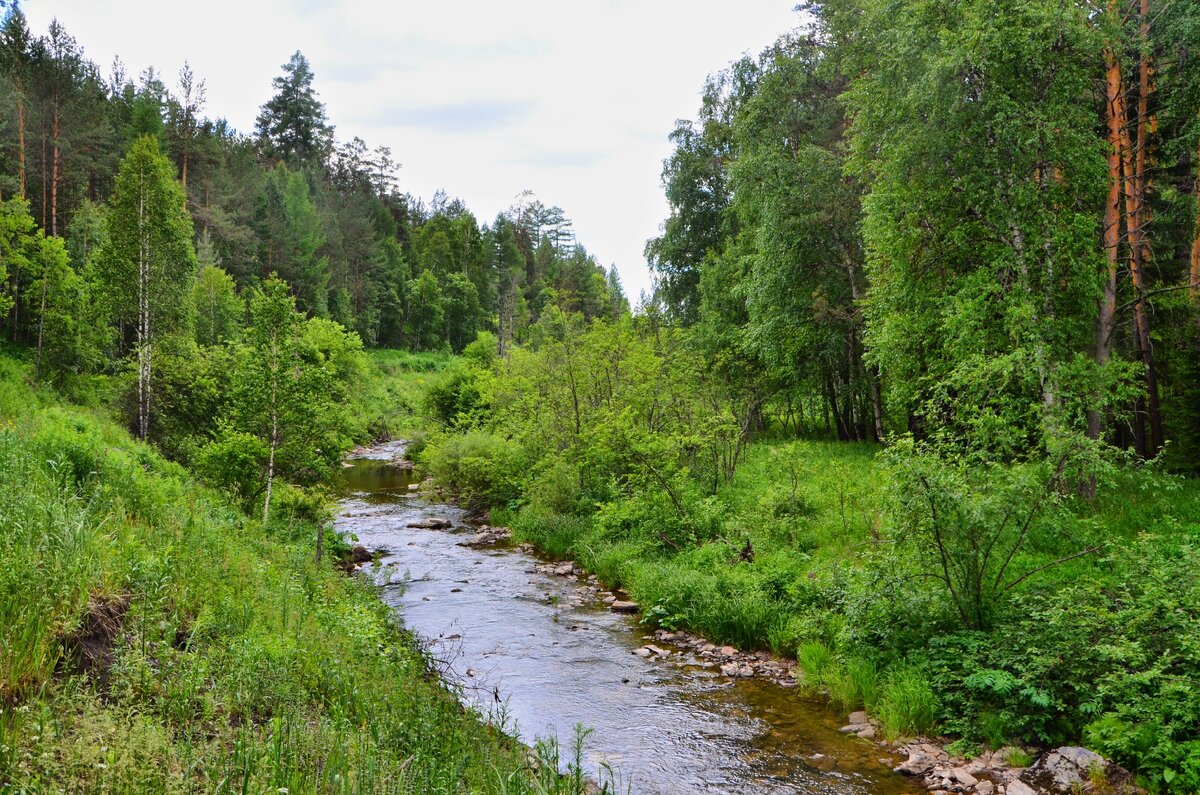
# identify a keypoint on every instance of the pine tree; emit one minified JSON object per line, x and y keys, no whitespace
{"x":292,"y":124}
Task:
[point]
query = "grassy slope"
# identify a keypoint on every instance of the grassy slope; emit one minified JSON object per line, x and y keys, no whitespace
{"x":223,"y":658}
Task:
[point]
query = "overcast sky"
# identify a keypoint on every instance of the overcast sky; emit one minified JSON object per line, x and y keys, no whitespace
{"x":572,"y":100}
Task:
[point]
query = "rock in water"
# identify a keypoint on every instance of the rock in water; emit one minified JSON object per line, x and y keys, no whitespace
{"x":432,"y":523}
{"x":624,"y":607}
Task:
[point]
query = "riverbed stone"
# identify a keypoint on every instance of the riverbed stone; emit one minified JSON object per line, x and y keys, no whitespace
{"x":1069,"y":768}
{"x":728,"y":651}
{"x":964,"y":778}
{"x":858,"y":717}
{"x":432,"y":523}
{"x":623,"y":607}
{"x":1018,"y":787}
{"x":868,"y":733}
{"x":985,"y":788}
{"x":918,"y":764}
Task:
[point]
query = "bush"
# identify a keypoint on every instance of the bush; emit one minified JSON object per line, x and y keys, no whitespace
{"x":234,"y":462}
{"x":455,"y":400}
{"x":480,"y":469}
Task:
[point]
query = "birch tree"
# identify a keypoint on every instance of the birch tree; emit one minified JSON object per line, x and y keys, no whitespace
{"x":148,"y":263}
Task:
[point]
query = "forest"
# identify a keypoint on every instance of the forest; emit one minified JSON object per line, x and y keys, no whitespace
{"x":915,"y":401}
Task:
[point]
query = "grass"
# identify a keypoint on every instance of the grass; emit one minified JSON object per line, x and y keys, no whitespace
{"x":802,"y":552}
{"x":907,"y":704}
{"x":218,"y":656}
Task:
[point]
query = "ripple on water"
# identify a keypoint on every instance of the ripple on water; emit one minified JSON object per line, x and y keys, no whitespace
{"x":665,"y":727}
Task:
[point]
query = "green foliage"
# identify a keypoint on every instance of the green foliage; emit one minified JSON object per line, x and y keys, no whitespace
{"x":481,"y":469}
{"x":455,"y":400}
{"x":206,"y":628}
{"x":219,"y":312}
{"x":973,"y":526}
{"x":234,"y":461}
{"x":906,"y":704}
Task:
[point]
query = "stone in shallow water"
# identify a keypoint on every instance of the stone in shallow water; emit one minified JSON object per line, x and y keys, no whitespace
{"x":624,"y":607}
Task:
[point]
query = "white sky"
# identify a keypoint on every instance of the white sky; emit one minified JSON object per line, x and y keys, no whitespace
{"x":573,"y":100}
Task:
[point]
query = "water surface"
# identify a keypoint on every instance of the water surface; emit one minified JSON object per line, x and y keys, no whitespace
{"x":523,"y":645}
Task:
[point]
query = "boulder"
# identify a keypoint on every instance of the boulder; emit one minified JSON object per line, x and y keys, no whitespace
{"x":737,"y":671}
{"x":624,"y":607}
{"x":432,"y":523}
{"x":1070,"y":768}
{"x":918,"y":764}
{"x":359,"y":554}
{"x":964,"y":778}
{"x":1018,"y":787}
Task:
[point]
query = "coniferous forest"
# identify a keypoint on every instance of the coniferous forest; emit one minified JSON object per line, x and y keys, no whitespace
{"x":913,"y":407}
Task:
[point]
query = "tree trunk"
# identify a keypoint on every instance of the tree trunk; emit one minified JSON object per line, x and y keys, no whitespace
{"x":1141,"y":174}
{"x":1195,"y":270}
{"x":183,"y":167}
{"x":21,"y":138}
{"x":54,"y":173}
{"x":45,"y":176}
{"x":1106,"y":316}
{"x":1134,"y":235}
{"x":271,"y":465}
{"x":144,"y":340}
{"x":274,"y":365}
{"x":1107,"y":310}
{"x":37,"y":361}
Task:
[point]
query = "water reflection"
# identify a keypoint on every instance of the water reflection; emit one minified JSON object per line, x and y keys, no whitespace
{"x":522,"y":640}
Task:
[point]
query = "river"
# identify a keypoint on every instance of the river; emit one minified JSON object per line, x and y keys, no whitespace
{"x":525,"y":649}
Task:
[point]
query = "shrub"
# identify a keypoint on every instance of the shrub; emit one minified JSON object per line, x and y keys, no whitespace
{"x":482,"y":470}
{"x":455,"y":400}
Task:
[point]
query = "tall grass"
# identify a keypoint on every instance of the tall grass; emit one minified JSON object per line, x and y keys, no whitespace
{"x":239,"y":665}
{"x":907,"y":704}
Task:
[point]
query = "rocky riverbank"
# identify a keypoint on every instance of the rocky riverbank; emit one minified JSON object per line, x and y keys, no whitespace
{"x":1006,"y":771}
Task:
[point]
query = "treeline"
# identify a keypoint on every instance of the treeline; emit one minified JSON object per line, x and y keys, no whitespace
{"x":289,"y":200}
{"x":975,"y":223}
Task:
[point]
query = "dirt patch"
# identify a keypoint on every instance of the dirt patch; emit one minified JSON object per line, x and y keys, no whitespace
{"x":89,"y":649}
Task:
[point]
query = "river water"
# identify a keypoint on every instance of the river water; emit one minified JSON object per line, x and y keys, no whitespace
{"x":523,"y":647}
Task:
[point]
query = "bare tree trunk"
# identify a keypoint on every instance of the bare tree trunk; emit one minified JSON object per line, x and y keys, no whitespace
{"x":37,"y":362}
{"x":274,"y":365}
{"x":1134,"y":234}
{"x":271,"y":462}
{"x":54,"y":172}
{"x":21,"y":138}
{"x":1195,"y":270}
{"x":45,"y":176}
{"x":1106,"y":317}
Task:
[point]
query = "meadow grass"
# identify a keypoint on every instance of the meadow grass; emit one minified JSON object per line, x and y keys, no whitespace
{"x":154,"y":639}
